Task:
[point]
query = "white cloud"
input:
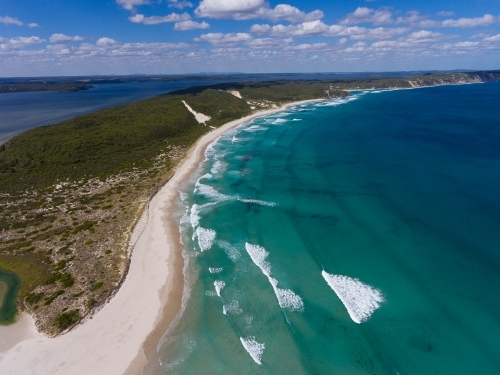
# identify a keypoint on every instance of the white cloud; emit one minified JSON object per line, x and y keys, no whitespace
{"x":269,"y":42}
{"x":221,"y":39}
{"x":20,"y":42}
{"x":251,"y":9}
{"x":494,"y":38}
{"x":106,"y":42}
{"x":131,"y":4}
{"x":179,"y":4}
{"x":368,"y":15}
{"x":424,"y":36}
{"x":153,"y":46}
{"x":486,"y":20}
{"x":6,"y":20}
{"x":466,"y":44}
{"x":33,"y":24}
{"x":155,"y":20}
{"x":320,"y":28}
{"x":445,"y":14}
{"x":307,"y":47}
{"x":61,"y":38}
{"x":190,"y":25}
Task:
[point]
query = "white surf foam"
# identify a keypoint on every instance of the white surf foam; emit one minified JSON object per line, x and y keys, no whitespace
{"x":215,"y":270}
{"x":360,"y":300}
{"x":259,"y":202}
{"x":194,"y":215}
{"x":205,"y":176}
{"x":297,"y":119}
{"x":218,"y":167}
{"x":184,"y":196}
{"x":219,"y":285}
{"x":336,"y":102}
{"x":206,"y":238}
{"x":279,"y":121}
{"x":255,"y":128}
{"x":248,"y":320}
{"x":231,"y":251}
{"x":209,"y":192}
{"x":233,"y":308}
{"x":254,"y":348}
{"x":210,"y":293}
{"x":287,"y":299}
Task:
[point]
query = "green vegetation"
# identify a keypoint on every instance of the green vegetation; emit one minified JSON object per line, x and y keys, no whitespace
{"x":34,"y":298}
{"x":67,"y":319}
{"x":13,"y":85}
{"x":97,"y":285}
{"x":71,"y":193}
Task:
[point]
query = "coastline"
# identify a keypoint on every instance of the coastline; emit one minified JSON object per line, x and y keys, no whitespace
{"x":132,"y":323}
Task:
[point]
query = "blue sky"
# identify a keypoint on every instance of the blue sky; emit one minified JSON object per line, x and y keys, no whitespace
{"x":60,"y":37}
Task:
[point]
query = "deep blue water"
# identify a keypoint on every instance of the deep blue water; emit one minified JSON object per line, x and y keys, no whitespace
{"x":349,"y":237}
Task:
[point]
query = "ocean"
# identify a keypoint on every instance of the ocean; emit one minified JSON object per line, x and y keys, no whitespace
{"x":354,"y":236}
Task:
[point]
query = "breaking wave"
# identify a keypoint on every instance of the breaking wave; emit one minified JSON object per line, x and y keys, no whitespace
{"x":206,"y":238}
{"x":360,"y":300}
{"x":287,"y":299}
{"x":254,"y":348}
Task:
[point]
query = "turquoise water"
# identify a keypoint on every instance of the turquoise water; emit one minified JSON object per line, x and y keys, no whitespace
{"x":350,"y":237}
{"x":9,"y":289}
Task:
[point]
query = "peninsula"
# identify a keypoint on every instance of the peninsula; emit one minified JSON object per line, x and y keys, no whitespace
{"x":71,"y":194}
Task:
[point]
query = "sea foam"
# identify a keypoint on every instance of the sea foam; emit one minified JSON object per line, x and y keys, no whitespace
{"x":254,"y":348}
{"x":287,"y":299}
{"x":206,"y":238}
{"x":255,"y":128}
{"x":219,"y":285}
{"x":279,"y":121}
{"x":215,"y":270}
{"x":232,"y":307}
{"x":209,"y":192}
{"x":360,"y":300}
{"x":231,"y":251}
{"x":259,"y":202}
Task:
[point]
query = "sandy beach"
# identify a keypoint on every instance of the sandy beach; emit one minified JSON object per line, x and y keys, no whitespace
{"x":123,"y":336}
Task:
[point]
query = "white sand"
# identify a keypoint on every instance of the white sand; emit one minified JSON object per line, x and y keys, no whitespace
{"x":114,"y":340}
{"x":235,"y":93}
{"x":200,"y":117}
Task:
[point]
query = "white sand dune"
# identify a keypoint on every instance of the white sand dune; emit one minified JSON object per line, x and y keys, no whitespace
{"x":200,"y":117}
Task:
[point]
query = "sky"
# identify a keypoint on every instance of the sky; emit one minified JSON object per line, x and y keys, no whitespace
{"x":87,"y":37}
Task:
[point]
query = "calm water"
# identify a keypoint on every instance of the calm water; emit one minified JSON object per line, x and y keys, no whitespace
{"x":23,"y":111}
{"x":351,"y":237}
{"x":9,"y":288}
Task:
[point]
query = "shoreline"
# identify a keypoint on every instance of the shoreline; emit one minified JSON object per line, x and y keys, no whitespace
{"x":122,"y":337}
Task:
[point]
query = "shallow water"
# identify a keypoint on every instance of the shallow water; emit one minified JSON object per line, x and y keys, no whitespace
{"x":351,"y":237}
{"x":9,"y":289}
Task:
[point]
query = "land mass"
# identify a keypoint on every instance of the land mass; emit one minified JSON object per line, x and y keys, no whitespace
{"x":343,"y":80}
{"x":72,"y":193}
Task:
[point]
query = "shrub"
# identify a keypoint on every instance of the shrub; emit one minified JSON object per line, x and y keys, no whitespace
{"x":67,"y":319}
{"x":33,"y":298}
{"x":97,"y":285}
{"x":67,"y":280}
